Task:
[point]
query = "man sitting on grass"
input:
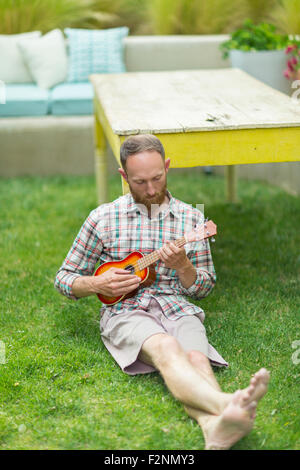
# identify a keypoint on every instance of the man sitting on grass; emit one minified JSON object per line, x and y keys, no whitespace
{"x":158,"y":329}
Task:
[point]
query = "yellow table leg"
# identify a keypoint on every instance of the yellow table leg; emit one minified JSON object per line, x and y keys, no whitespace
{"x":231,"y":180}
{"x":100,"y":163}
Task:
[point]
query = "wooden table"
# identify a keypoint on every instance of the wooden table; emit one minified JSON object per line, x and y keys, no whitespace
{"x":203,"y":118}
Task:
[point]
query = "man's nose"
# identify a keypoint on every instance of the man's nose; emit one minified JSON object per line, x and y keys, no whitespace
{"x":150,"y":190}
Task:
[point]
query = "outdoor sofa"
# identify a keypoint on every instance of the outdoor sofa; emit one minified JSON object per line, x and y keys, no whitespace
{"x":49,"y":131}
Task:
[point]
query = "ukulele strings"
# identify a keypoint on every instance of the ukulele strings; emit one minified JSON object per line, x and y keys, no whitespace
{"x":143,"y":262}
{"x":136,"y":265}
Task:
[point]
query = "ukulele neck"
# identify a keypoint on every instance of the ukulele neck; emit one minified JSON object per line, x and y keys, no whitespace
{"x":154,"y":256}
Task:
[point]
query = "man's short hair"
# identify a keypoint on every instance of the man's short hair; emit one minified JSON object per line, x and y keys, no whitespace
{"x":140,"y":143}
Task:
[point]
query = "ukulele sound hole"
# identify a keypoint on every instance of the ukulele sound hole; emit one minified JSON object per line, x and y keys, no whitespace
{"x":130,"y":268}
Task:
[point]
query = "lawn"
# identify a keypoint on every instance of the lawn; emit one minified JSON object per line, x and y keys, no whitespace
{"x":59,"y":387}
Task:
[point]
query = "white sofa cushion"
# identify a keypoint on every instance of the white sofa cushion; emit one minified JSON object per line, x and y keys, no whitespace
{"x":46,"y":58}
{"x":12,"y":67}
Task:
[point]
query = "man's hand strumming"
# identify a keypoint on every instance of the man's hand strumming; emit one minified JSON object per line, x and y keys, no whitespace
{"x":115,"y":282}
{"x":112,"y":283}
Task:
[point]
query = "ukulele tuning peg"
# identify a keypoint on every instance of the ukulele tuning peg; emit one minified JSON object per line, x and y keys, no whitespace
{"x":212,"y":240}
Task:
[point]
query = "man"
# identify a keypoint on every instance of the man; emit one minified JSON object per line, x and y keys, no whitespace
{"x":157,"y":328}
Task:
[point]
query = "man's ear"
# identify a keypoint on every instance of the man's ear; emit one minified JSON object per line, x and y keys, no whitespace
{"x":123,"y":173}
{"x":167,"y":165}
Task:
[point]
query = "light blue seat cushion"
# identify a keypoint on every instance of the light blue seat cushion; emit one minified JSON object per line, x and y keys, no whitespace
{"x":71,"y":99}
{"x":24,"y":100}
{"x":95,"y":51}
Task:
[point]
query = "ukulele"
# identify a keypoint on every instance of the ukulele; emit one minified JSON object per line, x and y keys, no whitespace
{"x":142,"y":266}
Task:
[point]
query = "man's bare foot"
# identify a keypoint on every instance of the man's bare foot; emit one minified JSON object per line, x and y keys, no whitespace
{"x":255,"y":391}
{"x":236,"y":421}
{"x":237,"y":417}
{"x":259,"y":384}
{"x":258,"y":387}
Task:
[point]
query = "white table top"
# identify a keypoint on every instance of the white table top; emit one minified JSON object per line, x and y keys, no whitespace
{"x":190,"y":101}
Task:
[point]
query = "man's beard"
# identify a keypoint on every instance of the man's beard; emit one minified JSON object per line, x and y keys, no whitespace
{"x":157,"y":199}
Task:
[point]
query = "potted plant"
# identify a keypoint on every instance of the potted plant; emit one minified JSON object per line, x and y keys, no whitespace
{"x":260,"y":51}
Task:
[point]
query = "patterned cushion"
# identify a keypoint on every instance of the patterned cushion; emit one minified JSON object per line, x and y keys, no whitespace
{"x":95,"y":51}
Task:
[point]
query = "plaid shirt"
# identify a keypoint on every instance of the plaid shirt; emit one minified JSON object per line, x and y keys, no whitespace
{"x":114,"y":230}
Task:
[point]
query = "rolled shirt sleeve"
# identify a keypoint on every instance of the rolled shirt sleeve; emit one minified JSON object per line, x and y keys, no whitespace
{"x":82,"y":257}
{"x":206,"y":276}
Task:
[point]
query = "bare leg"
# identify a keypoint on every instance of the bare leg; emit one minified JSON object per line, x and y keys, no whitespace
{"x":202,"y":365}
{"x":181,"y":377}
{"x":224,"y":418}
{"x":237,"y":419}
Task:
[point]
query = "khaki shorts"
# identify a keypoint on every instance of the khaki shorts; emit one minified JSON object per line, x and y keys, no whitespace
{"x":124,"y":334}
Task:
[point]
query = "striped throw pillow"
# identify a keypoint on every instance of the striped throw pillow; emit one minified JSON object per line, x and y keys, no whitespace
{"x":95,"y":51}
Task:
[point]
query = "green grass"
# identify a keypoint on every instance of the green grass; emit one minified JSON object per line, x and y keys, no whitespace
{"x":59,"y":387}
